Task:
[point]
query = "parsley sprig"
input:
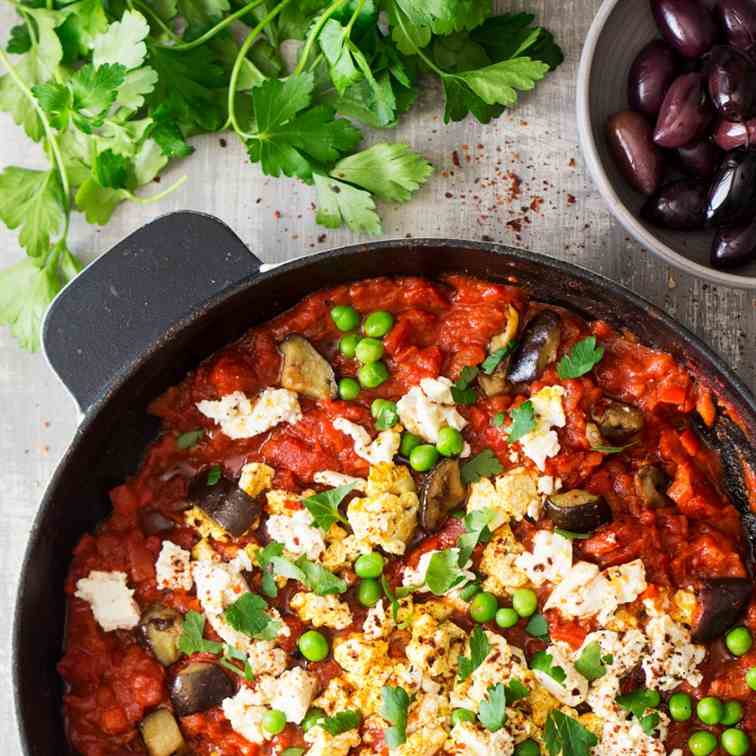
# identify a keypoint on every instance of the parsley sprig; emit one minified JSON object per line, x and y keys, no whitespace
{"x":394,"y":709}
{"x":566,"y":736}
{"x":581,"y":359}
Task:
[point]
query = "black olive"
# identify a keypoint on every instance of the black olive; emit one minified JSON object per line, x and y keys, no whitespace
{"x":721,"y":601}
{"x":305,"y":370}
{"x":651,"y":483}
{"x":198,"y":687}
{"x":680,"y":206}
{"x":538,"y":348}
{"x":441,"y":493}
{"x":231,"y":507}
{"x":161,"y":733}
{"x":732,"y":197}
{"x":577,"y":510}
{"x":618,"y":422}
{"x":160,"y":628}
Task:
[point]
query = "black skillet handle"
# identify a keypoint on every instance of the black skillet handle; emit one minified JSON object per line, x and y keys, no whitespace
{"x":131,"y":297}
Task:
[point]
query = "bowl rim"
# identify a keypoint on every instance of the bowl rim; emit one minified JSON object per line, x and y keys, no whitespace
{"x":616,"y":206}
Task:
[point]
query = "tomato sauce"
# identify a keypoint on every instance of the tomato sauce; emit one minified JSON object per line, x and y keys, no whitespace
{"x":440,"y":327}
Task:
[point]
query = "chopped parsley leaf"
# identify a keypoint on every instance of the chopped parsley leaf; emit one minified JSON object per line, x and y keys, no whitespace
{"x":444,"y":571}
{"x":498,"y":420}
{"x":214,"y":475}
{"x":571,"y":535}
{"x":189,"y":439}
{"x":590,"y":664}
{"x":461,"y":390}
{"x":394,"y":710}
{"x":493,"y":708}
{"x":543,"y":662}
{"x":482,"y":465}
{"x":324,"y":507}
{"x":342,"y":721}
{"x":479,"y":648}
{"x":523,"y":421}
{"x":191,"y":640}
{"x":248,"y":615}
{"x":489,"y":365}
{"x":566,"y":736}
{"x":582,"y":358}
{"x":538,"y":627}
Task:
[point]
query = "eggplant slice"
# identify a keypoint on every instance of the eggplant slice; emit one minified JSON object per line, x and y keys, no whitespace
{"x":441,"y":493}
{"x":225,"y":503}
{"x":578,"y":511}
{"x":161,"y":734}
{"x":160,"y":628}
{"x":198,"y":687}
{"x":618,"y":423}
{"x":305,"y":370}
{"x":537,"y":349}
{"x":651,"y":483}
{"x":721,"y":602}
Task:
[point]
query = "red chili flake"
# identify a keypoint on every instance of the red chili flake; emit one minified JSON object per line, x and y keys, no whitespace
{"x":571,"y":199}
{"x":536,"y":203}
{"x":321,"y":238}
{"x":277,"y":214}
{"x":487,"y":238}
{"x":222,"y":142}
{"x":448,"y":195}
{"x":572,"y":163}
{"x":515,"y":224}
{"x":258,"y":200}
{"x":455,"y":158}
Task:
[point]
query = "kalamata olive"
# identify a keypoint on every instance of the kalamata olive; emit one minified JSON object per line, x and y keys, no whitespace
{"x":732,"y":196}
{"x":700,"y":159}
{"x":577,"y":510}
{"x":732,"y":83}
{"x":720,"y":603}
{"x":618,"y":422}
{"x":738,"y":19}
{"x":537,"y":348}
{"x":730,"y":135}
{"x":687,"y":25}
{"x":442,"y":492}
{"x":680,"y":205}
{"x":685,"y":113}
{"x":734,"y":246}
{"x":651,"y":74}
{"x":198,"y":687}
{"x":636,"y":156}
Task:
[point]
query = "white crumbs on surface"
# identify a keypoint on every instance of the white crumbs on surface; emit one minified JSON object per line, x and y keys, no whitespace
{"x":240,"y":417}
{"x":425,"y":409}
{"x":173,"y":569}
{"x":110,"y":598}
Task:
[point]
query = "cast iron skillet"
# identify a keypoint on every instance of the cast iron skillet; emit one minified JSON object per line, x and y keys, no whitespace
{"x":139,"y":318}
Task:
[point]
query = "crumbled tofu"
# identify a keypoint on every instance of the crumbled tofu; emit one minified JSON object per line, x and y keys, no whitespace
{"x":342,"y":550}
{"x":283,"y":502}
{"x":469,"y":739}
{"x":324,"y":744}
{"x":322,"y":611}
{"x":110,"y":599}
{"x":683,"y":607}
{"x":425,"y":409}
{"x":256,"y":478}
{"x":542,"y":442}
{"x":334,"y":479}
{"x":416,"y":576}
{"x":297,"y":533}
{"x":510,"y":496}
{"x":626,"y":738}
{"x":387,"y":477}
{"x":551,"y":558}
{"x":499,"y":563}
{"x":291,"y":692}
{"x":382,"y":449}
{"x":627,"y":580}
{"x":377,"y":623}
{"x":385,"y":520}
{"x":435,"y":646}
{"x":574,"y":688}
{"x":239,"y":417}
{"x":367,"y":668}
{"x":173,"y":568}
{"x":245,"y":714}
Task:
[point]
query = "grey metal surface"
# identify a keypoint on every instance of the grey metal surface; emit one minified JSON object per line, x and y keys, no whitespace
{"x":557,"y":211}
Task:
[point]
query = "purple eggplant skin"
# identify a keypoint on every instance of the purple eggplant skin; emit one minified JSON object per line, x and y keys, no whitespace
{"x":636,"y":156}
{"x":734,"y":246}
{"x":700,"y":159}
{"x":680,"y":206}
{"x":653,"y":71}
{"x":732,"y":196}
{"x":730,"y":135}
{"x":732,"y":83}
{"x":738,"y":19}
{"x":720,"y":603}
{"x":688,"y":25}
{"x":685,"y":113}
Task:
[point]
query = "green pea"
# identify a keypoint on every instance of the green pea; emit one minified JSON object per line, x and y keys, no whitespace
{"x":527,"y":748}
{"x":462,"y":715}
{"x":385,"y":414}
{"x":483,"y":607}
{"x":470,"y":591}
{"x":348,"y":345}
{"x":409,"y":442}
{"x":349,"y":389}
{"x":373,"y":374}
{"x":378,"y":324}
{"x":450,"y":442}
{"x":313,"y":646}
{"x":507,"y":617}
{"x":733,"y":713}
{"x":524,"y":602}
{"x":368,"y":592}
{"x":680,"y":707}
{"x":273,"y":721}
{"x":751,"y":678}
{"x":423,"y":457}
{"x":735,"y":742}
{"x":739,"y":641}
{"x":702,"y":743}
{"x":369,"y":565}
{"x":369,"y":350}
{"x":314,"y":716}
{"x":345,"y":318}
{"x":378,"y":406}
{"x":710,"y":710}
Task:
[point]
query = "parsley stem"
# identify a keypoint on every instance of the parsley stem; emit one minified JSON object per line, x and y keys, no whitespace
{"x":313,"y":35}
{"x":160,"y":195}
{"x":156,"y":18}
{"x":355,"y":15}
{"x":210,"y":33}
{"x":240,"y":58}
{"x":428,"y":62}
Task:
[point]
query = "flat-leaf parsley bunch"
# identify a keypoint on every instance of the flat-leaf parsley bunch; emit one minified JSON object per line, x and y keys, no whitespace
{"x":113,"y":89}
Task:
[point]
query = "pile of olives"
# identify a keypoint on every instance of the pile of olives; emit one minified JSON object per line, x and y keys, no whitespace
{"x":686,"y":141}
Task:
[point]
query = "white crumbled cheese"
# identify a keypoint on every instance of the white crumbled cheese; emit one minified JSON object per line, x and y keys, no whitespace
{"x":510,"y":496}
{"x":322,"y":611}
{"x":377,"y":623}
{"x":291,"y":692}
{"x":386,"y":520}
{"x":173,"y":569}
{"x":425,"y":409}
{"x":245,"y":713}
{"x":626,"y":738}
{"x":574,"y":688}
{"x":542,"y":442}
{"x":627,"y":580}
{"x":323,"y":743}
{"x":548,"y":484}
{"x":297,"y":533}
{"x":334,"y":479}
{"x":383,"y":449}
{"x":672,"y":658}
{"x":239,"y":417}
{"x":110,"y":598}
{"x":416,"y":576}
{"x":469,"y":739}
{"x":499,"y":563}
{"x":435,"y":646}
{"x":551,"y":558}
{"x":255,"y":478}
